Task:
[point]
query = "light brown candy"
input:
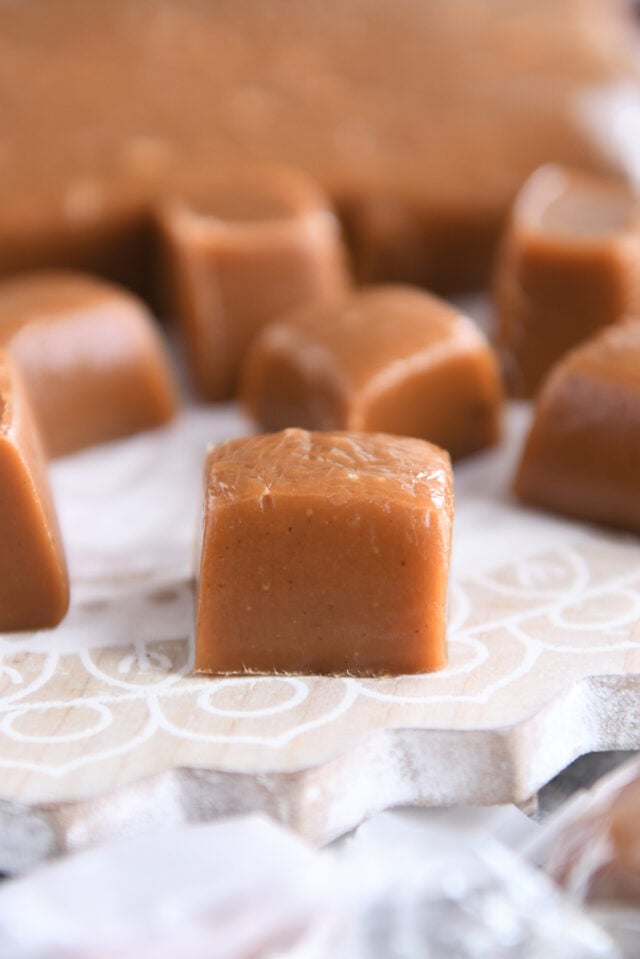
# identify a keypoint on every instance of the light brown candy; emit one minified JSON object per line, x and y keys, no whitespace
{"x":386,"y":359}
{"x":255,"y":244}
{"x":92,"y":359}
{"x":582,"y":457}
{"x":568,"y":266}
{"x":596,"y":855}
{"x":34,"y":585}
{"x":324,"y":553}
{"x":419,"y":119}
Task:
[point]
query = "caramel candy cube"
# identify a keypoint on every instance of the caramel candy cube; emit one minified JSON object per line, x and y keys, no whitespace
{"x":91,"y":356}
{"x":324,"y":553}
{"x":582,"y":457}
{"x":34,"y":585}
{"x":568,"y":266}
{"x":386,"y":359}
{"x":253,"y":246}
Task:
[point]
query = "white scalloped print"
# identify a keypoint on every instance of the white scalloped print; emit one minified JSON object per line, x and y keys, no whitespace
{"x":108,"y":696}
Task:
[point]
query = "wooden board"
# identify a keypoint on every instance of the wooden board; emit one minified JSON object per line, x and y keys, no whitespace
{"x":544,"y":641}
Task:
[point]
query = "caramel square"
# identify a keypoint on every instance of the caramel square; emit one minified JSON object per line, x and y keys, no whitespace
{"x":91,"y":356}
{"x":324,"y":553}
{"x":34,"y":584}
{"x":568,"y":266}
{"x":582,"y":455}
{"x":246,"y":248}
{"x":388,"y":359}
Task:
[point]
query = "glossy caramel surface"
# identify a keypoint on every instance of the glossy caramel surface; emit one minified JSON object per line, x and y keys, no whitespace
{"x":34,"y":584}
{"x":324,"y":553}
{"x":386,"y":359}
{"x":244,"y":249}
{"x":93,"y":362}
{"x":568,"y":267}
{"x":582,"y":457}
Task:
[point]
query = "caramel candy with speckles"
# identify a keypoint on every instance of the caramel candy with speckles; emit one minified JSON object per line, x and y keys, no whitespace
{"x":386,"y":359}
{"x":569,"y":265}
{"x":34,"y":585}
{"x":91,"y":356}
{"x":249,"y":248}
{"x":324,"y":553}
{"x":582,"y":457}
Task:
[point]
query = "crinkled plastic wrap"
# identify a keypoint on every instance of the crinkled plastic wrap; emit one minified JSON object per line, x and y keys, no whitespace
{"x":592,"y":848}
{"x":429,"y":890}
{"x":229,"y":890}
{"x":407,"y":886}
